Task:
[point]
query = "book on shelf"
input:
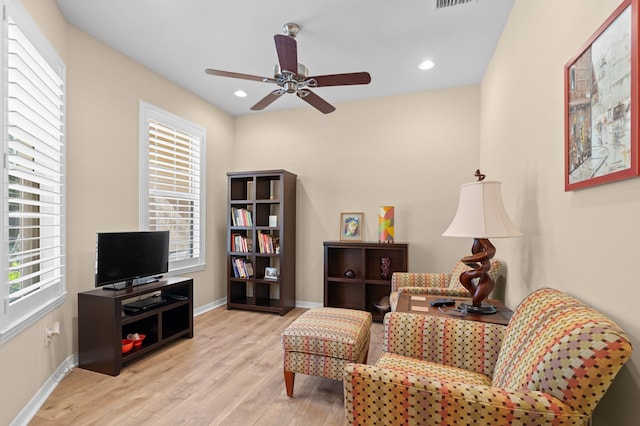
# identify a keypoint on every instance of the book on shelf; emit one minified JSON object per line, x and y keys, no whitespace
{"x":267,"y":243}
{"x":234,"y":216}
{"x":249,"y":267}
{"x":241,"y":217}
{"x":241,"y":243}
{"x":236,"y":274}
{"x":242,"y":268}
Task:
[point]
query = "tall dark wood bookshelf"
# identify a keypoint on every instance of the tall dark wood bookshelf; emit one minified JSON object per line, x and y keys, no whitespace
{"x":367,"y":286}
{"x":261,"y":241}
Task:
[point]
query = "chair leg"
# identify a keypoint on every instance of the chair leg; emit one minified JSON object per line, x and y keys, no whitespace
{"x":289,"y":378}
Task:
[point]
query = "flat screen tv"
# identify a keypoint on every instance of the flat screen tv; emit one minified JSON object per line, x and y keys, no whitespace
{"x":127,"y":258}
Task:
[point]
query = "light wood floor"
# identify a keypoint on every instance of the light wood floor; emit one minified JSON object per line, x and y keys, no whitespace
{"x":230,"y":373}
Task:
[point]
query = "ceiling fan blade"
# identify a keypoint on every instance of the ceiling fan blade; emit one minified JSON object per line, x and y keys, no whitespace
{"x":287,"y":49}
{"x":317,"y":102}
{"x":266,"y":101}
{"x":342,"y":79}
{"x":238,"y":75}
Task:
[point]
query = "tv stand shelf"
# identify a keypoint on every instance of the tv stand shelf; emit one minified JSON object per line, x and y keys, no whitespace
{"x":102,"y":322}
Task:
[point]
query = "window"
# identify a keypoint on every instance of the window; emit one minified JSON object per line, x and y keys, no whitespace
{"x":33,"y":173}
{"x":172,"y":184}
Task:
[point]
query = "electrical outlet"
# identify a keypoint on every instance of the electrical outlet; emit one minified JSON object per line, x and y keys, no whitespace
{"x":52,"y":331}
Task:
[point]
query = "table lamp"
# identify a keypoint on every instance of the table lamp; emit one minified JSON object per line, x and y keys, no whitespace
{"x":481,"y":215}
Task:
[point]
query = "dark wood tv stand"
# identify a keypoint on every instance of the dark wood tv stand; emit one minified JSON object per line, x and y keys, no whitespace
{"x":102,"y":322}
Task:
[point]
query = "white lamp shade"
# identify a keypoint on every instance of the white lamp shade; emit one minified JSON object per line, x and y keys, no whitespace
{"x":481,"y":213}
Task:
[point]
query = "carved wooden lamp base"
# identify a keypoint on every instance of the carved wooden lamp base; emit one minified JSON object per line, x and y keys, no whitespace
{"x":480,"y":262}
{"x":480,"y":215}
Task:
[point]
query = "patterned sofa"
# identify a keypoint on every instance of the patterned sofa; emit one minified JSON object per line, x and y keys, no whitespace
{"x":550,"y":366}
{"x":440,"y":284}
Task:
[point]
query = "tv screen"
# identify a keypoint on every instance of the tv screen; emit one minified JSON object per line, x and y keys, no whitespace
{"x":127,"y":256}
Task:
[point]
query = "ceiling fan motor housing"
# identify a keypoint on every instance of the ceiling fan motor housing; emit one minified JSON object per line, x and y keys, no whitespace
{"x":303,"y":72}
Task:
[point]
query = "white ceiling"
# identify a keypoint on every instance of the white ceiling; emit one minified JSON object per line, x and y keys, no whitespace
{"x":178,"y":39}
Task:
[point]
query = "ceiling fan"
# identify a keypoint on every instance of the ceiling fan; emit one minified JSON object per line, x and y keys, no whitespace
{"x":292,"y":77}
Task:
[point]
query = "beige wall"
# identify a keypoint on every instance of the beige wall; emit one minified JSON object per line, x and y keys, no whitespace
{"x":103,"y":92}
{"x":411,"y":152}
{"x":583,"y":242}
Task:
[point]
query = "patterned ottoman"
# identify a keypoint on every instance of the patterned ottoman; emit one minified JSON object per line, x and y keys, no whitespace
{"x":322,"y":341}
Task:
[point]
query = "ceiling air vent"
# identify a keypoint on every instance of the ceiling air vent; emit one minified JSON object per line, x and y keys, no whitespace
{"x":447,"y":3}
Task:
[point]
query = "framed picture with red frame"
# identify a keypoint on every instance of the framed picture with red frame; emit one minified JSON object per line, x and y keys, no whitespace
{"x":601,"y":104}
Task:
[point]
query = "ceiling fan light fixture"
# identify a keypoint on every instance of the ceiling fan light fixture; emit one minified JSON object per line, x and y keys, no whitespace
{"x":240,"y":93}
{"x":290,"y":86}
{"x":426,"y":65}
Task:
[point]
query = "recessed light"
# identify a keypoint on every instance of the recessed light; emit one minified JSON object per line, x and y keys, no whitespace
{"x":240,"y":93}
{"x":427,"y":65}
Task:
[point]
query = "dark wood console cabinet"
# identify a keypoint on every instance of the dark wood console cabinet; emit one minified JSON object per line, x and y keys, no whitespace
{"x":102,"y":322}
{"x":366,"y":286}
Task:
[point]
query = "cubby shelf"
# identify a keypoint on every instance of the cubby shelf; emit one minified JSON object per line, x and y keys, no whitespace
{"x":367,"y":286}
{"x":261,"y":234}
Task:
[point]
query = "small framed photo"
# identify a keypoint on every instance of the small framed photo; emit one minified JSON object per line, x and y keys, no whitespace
{"x":351,"y":226}
{"x":270,"y":273}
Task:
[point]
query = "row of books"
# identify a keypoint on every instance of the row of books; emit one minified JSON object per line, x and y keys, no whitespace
{"x":267,"y":243}
{"x":242,"y":268}
{"x":240,"y":243}
{"x":241,"y":217}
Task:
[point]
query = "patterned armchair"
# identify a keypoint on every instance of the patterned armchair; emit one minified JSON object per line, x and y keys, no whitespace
{"x":550,"y":366}
{"x":440,"y":284}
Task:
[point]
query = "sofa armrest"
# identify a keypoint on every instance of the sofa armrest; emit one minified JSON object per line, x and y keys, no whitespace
{"x":394,"y":396}
{"x":440,"y":340}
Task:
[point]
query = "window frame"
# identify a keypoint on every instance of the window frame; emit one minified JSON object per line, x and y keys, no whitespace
{"x":150,"y":112}
{"x":18,"y":315}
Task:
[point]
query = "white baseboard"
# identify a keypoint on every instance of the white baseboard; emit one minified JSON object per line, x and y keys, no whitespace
{"x":308,"y":305}
{"x":209,"y":306}
{"x":221,"y":302}
{"x":30,"y":410}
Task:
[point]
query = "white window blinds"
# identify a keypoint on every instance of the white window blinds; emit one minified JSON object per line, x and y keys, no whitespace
{"x":33,"y":178}
{"x":173,"y":190}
